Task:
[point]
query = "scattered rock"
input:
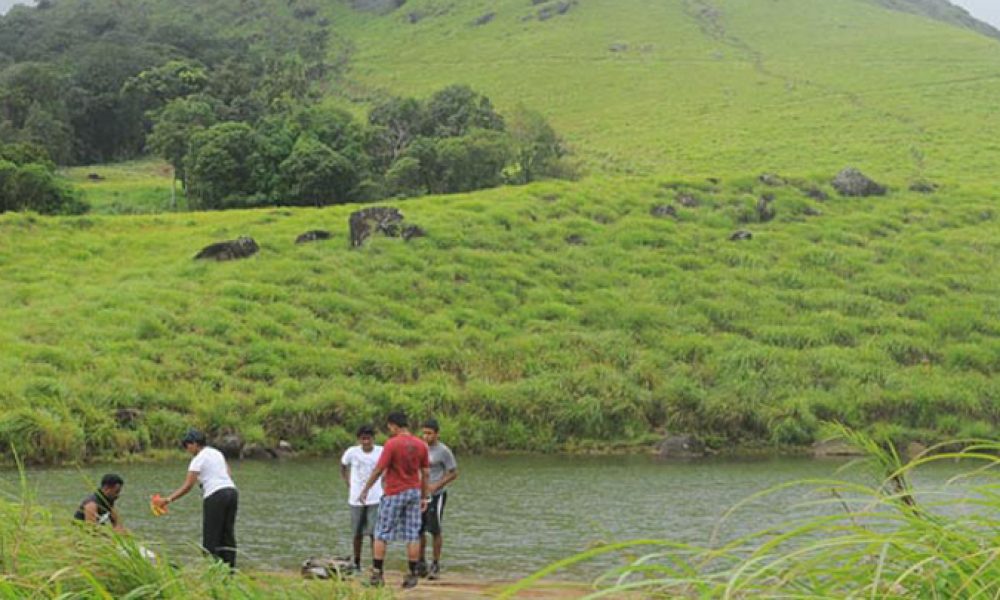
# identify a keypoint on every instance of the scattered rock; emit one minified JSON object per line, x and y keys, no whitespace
{"x":413,"y":231}
{"x":816,"y":194}
{"x":765,"y":212}
{"x":852,"y":182}
{"x":618,"y":47}
{"x":687,"y":200}
{"x":285,"y":448}
{"x":811,"y":211}
{"x":241,"y":247}
{"x":255,"y":451}
{"x":314,"y":235}
{"x":95,"y":177}
{"x":681,"y":446}
{"x":327,"y":568}
{"x":559,"y":8}
{"x":230,"y":445}
{"x":384,"y":219}
{"x":377,"y":6}
{"x":771,"y":179}
{"x":484,"y":19}
{"x":575,"y":240}
{"x":414,"y":17}
{"x":128,"y":418}
{"x":741,"y":235}
{"x":914,"y":450}
{"x":923,"y":187}
{"x":831,"y":448}
{"x":663,"y":210}
{"x":713,"y":180}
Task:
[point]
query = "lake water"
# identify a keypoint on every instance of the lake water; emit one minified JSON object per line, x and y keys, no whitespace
{"x":506,"y":516}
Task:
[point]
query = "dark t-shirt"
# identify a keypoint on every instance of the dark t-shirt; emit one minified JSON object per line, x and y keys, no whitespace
{"x":104,"y":506}
{"x":402,"y":458}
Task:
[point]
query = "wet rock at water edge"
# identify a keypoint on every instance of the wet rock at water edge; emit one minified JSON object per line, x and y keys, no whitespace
{"x":326,"y":568}
{"x":230,"y":445}
{"x":740,"y":236}
{"x":834,"y":448}
{"x":241,"y":247}
{"x":663,"y":210}
{"x":313,"y":236}
{"x":681,"y":446}
{"x":852,"y":182}
{"x":255,"y":451}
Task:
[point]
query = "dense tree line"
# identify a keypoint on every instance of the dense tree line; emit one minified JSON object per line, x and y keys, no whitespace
{"x":229,"y":92}
{"x":86,"y":79}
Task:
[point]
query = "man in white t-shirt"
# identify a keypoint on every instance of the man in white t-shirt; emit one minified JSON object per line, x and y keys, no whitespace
{"x":210,"y":471}
{"x":356,"y":465}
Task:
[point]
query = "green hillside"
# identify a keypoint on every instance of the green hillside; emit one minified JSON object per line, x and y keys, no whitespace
{"x":562,"y":314}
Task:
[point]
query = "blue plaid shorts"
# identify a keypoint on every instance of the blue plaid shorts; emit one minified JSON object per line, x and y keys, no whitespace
{"x":399,"y":517}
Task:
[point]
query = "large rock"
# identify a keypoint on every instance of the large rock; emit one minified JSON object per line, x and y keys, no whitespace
{"x":765,"y":210}
{"x":663,"y":210}
{"x":834,"y":448}
{"x":377,"y":6}
{"x":255,"y":451}
{"x":230,"y":445}
{"x":326,"y":568}
{"x":241,"y":247}
{"x":852,"y":182}
{"x":681,"y":446}
{"x":740,"y":236}
{"x":365,"y":222}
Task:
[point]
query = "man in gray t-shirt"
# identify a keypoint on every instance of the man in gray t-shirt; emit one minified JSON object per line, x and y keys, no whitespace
{"x":443,"y":471}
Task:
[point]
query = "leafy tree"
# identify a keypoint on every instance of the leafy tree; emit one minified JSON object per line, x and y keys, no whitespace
{"x":34,"y":187}
{"x":26,"y":84}
{"x":456,"y":110}
{"x":176,"y":124}
{"x":405,"y":178}
{"x":315,"y":175}
{"x":24,"y":153}
{"x":472,"y":162}
{"x":7,"y":171}
{"x":534,"y":144}
{"x":50,"y":132}
{"x":173,"y":79}
{"x":395,"y":123}
{"x":222,"y":166}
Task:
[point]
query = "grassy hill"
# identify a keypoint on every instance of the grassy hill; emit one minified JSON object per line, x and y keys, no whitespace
{"x":563,"y":314}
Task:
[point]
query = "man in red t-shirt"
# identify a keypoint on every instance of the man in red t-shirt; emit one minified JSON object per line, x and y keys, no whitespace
{"x":406,"y":465}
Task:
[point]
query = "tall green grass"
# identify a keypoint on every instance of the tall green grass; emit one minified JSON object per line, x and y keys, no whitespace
{"x":46,"y":557}
{"x":873,"y":535}
{"x":878,"y":313}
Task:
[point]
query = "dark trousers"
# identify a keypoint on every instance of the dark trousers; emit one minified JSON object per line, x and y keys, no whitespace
{"x":218,"y":525}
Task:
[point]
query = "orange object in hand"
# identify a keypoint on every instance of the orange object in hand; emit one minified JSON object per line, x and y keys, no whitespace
{"x":156,"y":506}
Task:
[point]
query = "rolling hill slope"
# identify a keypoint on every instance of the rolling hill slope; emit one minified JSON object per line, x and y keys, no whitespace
{"x":565,"y":314}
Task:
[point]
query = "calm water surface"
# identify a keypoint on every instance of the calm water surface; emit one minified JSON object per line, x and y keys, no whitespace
{"x":506,"y":516}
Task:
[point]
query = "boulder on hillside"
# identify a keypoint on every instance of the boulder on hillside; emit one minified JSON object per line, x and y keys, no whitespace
{"x":765,"y":212}
{"x":413,"y":231}
{"x":484,"y":19}
{"x":241,"y":247}
{"x":377,"y":6}
{"x":663,"y":210}
{"x":230,"y":445}
{"x":687,"y":200}
{"x":681,"y":446}
{"x":740,"y":236}
{"x":923,"y":187}
{"x":381,"y":219}
{"x":312,"y":236}
{"x":558,"y":8}
{"x":128,"y":418}
{"x":575,"y":240}
{"x":852,"y":182}
{"x":771,"y":179}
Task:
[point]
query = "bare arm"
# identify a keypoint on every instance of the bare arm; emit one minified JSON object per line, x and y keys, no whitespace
{"x":448,"y":478}
{"x":425,"y":475}
{"x":90,"y":512}
{"x":189,"y":481}
{"x":345,"y":474}
{"x":116,"y":520}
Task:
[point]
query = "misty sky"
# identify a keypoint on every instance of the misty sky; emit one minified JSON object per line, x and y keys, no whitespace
{"x":985,"y":10}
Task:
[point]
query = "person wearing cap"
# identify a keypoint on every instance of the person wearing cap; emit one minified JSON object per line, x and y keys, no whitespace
{"x":99,"y":508}
{"x":220,"y":498}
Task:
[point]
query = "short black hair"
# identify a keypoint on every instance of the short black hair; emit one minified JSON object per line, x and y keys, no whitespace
{"x":397,"y":418}
{"x":366,"y":430}
{"x":111,"y":480}
{"x":432,"y":424}
{"x":193,"y":436}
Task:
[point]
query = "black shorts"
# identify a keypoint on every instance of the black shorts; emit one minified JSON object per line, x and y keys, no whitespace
{"x":430,"y":521}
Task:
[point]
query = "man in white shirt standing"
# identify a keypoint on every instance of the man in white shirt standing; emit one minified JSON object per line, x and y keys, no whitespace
{"x":356,"y":465}
{"x":209,"y":470}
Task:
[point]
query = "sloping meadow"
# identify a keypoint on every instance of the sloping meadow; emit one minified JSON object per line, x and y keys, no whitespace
{"x":552,"y":316}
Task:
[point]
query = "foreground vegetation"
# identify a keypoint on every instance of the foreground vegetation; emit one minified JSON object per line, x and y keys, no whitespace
{"x":882,"y":539}
{"x":48,"y":558}
{"x":531,"y":318}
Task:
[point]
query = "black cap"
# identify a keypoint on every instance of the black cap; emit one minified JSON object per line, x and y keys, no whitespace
{"x":193,"y":436}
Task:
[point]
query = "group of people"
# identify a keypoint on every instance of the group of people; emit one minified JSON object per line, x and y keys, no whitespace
{"x":395,"y":492}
